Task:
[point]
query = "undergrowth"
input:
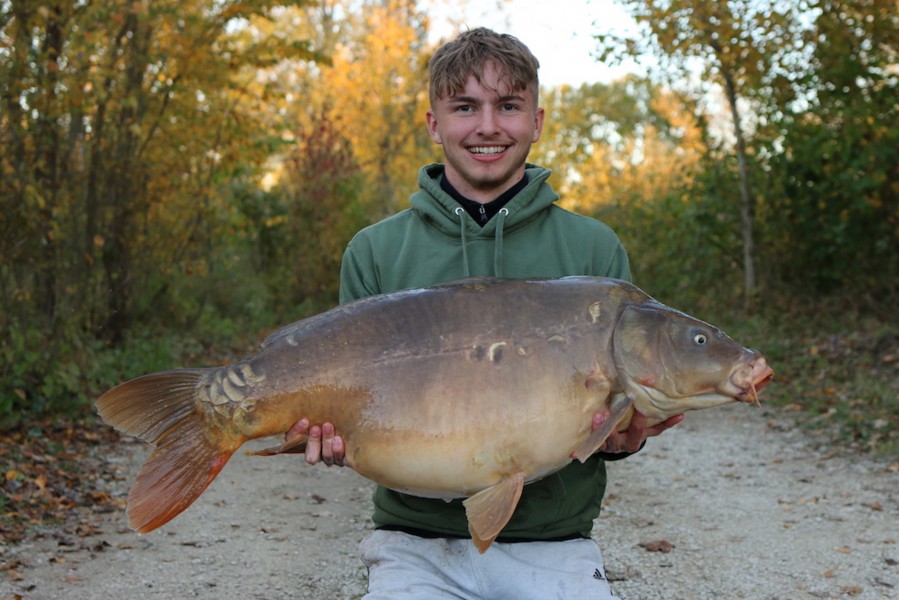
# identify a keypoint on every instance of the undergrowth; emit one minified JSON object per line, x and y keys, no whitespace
{"x":836,"y":369}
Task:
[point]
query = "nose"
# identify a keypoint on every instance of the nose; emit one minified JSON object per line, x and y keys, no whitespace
{"x":488,"y":125}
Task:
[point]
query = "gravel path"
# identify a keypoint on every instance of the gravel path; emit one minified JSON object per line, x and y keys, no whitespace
{"x":729,"y":504}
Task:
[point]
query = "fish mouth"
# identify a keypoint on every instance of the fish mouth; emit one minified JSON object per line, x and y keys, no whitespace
{"x":752,"y":379}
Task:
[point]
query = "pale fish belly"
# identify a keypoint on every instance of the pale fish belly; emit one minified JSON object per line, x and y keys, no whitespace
{"x":457,"y":439}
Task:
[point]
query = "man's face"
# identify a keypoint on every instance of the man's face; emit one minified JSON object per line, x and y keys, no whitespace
{"x":486,"y":131}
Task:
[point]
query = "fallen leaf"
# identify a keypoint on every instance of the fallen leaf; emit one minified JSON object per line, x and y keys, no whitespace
{"x":51,"y":470}
{"x":86,"y":530}
{"x":98,"y":547}
{"x":657,"y":546}
{"x":99,"y":497}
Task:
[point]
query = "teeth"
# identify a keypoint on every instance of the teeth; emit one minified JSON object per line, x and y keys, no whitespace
{"x":487,"y":149}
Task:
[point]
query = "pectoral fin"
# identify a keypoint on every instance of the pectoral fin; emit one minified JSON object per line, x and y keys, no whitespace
{"x":489,"y":510}
{"x":621,"y":408}
{"x":291,"y":445}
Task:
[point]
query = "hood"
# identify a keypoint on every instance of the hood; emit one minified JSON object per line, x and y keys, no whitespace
{"x":438,"y":208}
{"x":440,"y":211}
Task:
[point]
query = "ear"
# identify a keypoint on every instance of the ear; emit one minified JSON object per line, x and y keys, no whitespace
{"x":431,"y":119}
{"x":538,"y":125}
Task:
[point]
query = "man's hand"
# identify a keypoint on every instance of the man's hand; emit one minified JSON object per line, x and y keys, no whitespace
{"x":322,"y":444}
{"x":634,"y":436}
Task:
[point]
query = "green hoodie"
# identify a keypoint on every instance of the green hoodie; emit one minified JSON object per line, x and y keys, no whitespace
{"x":436,"y":241}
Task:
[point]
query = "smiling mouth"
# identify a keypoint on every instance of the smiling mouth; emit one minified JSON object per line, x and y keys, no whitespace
{"x":487,"y":150}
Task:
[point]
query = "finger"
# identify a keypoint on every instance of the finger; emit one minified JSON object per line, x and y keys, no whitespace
{"x":298,"y":429}
{"x":333,"y":449}
{"x":666,"y":424}
{"x":614,"y":443}
{"x":636,"y":432}
{"x":314,"y":445}
{"x":339,"y":451}
{"x":328,"y":443}
{"x":638,"y":421}
{"x":628,"y":441}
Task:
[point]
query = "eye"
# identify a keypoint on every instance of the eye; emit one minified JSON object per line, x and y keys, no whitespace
{"x":700,"y":339}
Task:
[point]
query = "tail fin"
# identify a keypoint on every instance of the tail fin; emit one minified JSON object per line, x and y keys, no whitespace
{"x":162,"y":409}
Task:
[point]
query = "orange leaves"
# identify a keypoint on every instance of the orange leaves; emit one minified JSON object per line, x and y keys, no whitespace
{"x":13,"y":570}
{"x":51,"y":473}
{"x":376,"y":90}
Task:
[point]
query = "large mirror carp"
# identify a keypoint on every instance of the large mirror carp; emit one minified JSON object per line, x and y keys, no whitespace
{"x":468,"y":389}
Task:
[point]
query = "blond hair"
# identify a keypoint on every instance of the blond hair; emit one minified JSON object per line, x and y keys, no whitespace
{"x":467,"y":55}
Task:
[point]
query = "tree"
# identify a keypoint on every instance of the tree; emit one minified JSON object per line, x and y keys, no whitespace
{"x":736,"y":43}
{"x":628,"y":141}
{"x":834,"y":148}
{"x":377,"y":96}
{"x":320,"y":210}
{"x":372,"y":89}
{"x":118,"y":119}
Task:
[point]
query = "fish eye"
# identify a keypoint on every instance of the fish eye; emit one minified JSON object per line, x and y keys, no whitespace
{"x":700,"y":339}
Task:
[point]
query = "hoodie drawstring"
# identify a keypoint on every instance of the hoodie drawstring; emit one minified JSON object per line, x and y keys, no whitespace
{"x":498,"y":247}
{"x":498,"y":244}
{"x":461,"y":212}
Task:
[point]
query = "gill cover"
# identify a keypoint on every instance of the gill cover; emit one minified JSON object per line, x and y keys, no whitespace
{"x":636,"y":346}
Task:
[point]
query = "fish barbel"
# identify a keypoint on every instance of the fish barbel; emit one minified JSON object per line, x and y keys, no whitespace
{"x":468,"y":389}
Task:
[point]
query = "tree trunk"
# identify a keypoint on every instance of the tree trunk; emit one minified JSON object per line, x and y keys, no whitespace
{"x":127,"y":185}
{"x":747,"y":200}
{"x":46,"y":168}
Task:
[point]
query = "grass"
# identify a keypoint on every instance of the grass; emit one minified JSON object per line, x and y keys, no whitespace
{"x":837,"y":372}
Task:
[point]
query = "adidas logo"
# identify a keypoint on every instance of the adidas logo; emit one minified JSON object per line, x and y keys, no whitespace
{"x":597,"y":574}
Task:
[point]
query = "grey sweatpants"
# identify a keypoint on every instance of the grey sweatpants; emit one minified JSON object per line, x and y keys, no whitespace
{"x":403,"y":567}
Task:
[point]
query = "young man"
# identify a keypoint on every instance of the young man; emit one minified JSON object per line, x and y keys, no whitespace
{"x":484,"y":211}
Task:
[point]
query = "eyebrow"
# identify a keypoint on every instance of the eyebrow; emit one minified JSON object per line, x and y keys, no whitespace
{"x":473,"y":100}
